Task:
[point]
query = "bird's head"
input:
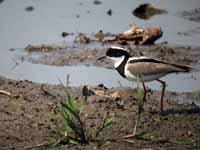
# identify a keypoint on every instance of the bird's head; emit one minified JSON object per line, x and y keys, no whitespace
{"x":116,"y":54}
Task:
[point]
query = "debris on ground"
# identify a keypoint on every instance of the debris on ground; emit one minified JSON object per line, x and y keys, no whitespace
{"x":44,"y":48}
{"x":138,"y":35}
{"x":7,"y":93}
{"x":29,"y":8}
{"x":97,"y":2}
{"x":64,"y":34}
{"x":82,"y":38}
{"x":100,"y":35}
{"x":109,"y":12}
{"x":192,"y":15}
{"x":146,"y":11}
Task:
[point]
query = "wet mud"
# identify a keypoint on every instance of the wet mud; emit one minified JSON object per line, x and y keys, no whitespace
{"x":83,"y":55}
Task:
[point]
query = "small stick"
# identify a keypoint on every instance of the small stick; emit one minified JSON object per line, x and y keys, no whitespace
{"x":9,"y":94}
{"x":5,"y":93}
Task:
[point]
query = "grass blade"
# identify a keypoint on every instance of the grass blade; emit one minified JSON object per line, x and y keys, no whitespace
{"x":107,"y":122}
{"x":184,"y":142}
{"x":65,"y":116}
{"x":72,"y":104}
{"x":74,"y":113}
{"x":73,"y":142}
{"x":83,"y":104}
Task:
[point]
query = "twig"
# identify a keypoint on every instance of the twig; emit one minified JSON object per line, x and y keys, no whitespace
{"x":7,"y":93}
{"x":39,"y":145}
{"x":129,"y":141}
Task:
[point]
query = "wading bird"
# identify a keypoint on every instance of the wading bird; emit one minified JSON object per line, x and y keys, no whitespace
{"x":145,"y":68}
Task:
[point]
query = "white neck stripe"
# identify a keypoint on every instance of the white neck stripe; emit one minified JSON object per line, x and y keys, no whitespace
{"x":117,"y":60}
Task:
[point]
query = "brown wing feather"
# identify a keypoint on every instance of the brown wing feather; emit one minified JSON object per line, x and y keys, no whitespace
{"x":145,"y":68}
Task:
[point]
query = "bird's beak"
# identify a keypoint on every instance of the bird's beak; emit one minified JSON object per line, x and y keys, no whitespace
{"x":100,"y":58}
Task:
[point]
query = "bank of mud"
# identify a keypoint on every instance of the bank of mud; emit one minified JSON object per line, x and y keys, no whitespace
{"x":26,"y":121}
{"x":84,"y":55}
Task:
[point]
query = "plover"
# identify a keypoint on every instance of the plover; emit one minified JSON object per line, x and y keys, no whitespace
{"x":145,"y":68}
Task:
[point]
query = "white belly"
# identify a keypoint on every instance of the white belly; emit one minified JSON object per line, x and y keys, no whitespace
{"x":144,"y":78}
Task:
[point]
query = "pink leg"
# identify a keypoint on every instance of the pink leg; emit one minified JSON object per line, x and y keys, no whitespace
{"x":145,"y":92}
{"x":144,"y":95}
{"x":162,"y":95}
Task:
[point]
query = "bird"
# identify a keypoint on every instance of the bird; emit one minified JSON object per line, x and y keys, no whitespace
{"x":147,"y":69}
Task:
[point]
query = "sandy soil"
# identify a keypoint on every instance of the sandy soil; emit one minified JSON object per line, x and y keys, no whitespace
{"x":25,"y":120}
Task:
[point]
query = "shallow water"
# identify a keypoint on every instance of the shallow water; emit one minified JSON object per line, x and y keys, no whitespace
{"x":45,"y":23}
{"x":84,"y":75}
{"x":50,"y":18}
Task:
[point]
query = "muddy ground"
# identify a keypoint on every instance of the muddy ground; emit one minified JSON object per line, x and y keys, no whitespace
{"x":25,"y":120}
{"x":85,"y":55}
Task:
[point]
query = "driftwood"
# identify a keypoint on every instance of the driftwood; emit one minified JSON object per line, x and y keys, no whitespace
{"x":7,"y":93}
{"x":137,"y":35}
{"x":44,"y":48}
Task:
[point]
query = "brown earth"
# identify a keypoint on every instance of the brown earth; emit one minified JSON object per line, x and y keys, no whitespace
{"x":25,"y":120}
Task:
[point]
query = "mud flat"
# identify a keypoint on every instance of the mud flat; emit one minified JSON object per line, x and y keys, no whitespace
{"x":84,"y":55}
{"x":25,"y":120}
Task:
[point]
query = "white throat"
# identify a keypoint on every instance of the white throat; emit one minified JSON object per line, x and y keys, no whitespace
{"x":117,"y":60}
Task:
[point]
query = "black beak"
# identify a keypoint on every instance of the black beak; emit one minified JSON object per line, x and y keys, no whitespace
{"x":100,"y":58}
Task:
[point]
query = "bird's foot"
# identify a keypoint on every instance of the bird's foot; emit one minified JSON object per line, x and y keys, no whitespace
{"x":129,"y":136}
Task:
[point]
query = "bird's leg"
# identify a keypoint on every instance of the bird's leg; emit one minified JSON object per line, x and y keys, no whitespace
{"x":162,"y":95}
{"x":138,"y":116}
{"x":134,"y":130}
{"x":145,"y":92}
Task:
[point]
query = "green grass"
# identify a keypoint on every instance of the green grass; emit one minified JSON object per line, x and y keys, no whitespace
{"x":68,"y":127}
{"x":139,"y":95}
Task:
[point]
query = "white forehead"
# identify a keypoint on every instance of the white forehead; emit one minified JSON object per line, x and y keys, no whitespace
{"x":117,"y":47}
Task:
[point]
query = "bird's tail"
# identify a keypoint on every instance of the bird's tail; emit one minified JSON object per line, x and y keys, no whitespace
{"x":184,"y":68}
